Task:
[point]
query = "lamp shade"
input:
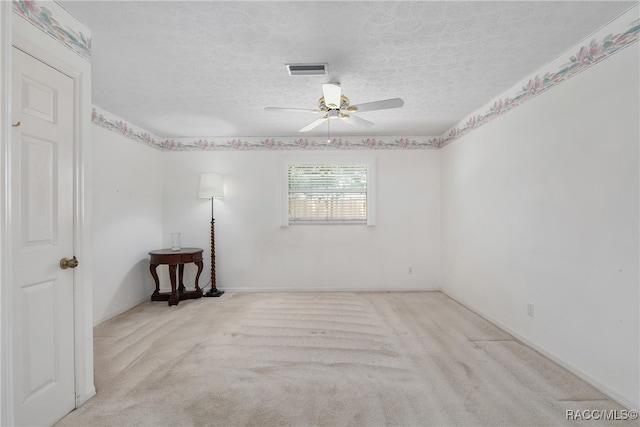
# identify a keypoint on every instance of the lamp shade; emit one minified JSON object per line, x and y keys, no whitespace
{"x":211,"y":186}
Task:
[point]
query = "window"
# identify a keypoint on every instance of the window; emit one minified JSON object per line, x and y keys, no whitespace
{"x":329,"y":193}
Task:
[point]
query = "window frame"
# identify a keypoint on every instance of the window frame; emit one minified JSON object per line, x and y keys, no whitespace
{"x":369,"y":161}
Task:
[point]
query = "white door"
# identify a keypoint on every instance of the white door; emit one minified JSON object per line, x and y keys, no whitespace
{"x":43,"y":383}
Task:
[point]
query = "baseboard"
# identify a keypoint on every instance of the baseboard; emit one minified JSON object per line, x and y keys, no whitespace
{"x":82,"y":398}
{"x":628,"y":404}
{"x":324,"y":289}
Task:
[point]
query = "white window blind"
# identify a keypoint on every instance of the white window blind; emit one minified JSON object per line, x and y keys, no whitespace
{"x":327,"y":193}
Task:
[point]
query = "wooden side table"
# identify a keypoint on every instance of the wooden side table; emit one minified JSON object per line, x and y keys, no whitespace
{"x":175,"y":259}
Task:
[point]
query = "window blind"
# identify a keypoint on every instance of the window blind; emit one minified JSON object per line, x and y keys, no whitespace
{"x":327,"y":193}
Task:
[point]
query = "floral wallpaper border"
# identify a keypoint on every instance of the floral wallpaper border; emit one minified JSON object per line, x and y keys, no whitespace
{"x":604,"y":44}
{"x":292,"y":143}
{"x":57,"y":27}
{"x":115,"y":124}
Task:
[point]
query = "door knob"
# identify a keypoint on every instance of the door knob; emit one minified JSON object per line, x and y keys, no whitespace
{"x":68,"y":263}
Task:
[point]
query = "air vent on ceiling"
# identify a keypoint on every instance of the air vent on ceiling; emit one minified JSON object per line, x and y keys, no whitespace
{"x":308,"y":69}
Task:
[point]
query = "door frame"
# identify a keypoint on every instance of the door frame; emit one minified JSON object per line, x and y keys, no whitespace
{"x":16,"y":32}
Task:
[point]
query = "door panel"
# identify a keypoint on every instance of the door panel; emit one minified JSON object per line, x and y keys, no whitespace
{"x":38,"y":178}
{"x":42,"y":295}
{"x":38,"y":99}
{"x":39,"y":338}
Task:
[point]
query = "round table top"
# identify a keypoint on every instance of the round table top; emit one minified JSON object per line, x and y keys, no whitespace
{"x":181,"y":251}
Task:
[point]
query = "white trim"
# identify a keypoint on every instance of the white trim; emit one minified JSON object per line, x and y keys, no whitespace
{"x":83,"y":293}
{"x":372,"y":191}
{"x":30,"y":40}
{"x":243,"y":289}
{"x":329,"y":158}
{"x":5,"y":196}
{"x":284,"y":192}
{"x":546,"y":353}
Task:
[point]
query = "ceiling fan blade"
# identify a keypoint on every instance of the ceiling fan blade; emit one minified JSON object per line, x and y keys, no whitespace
{"x":291,"y":109}
{"x":378,"y":105}
{"x":357,"y":121}
{"x":313,"y":124}
{"x":332,"y":92}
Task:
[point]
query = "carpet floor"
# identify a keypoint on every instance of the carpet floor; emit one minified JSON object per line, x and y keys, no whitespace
{"x":324,"y":359}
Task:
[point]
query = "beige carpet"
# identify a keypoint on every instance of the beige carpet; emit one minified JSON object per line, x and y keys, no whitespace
{"x":324,"y":359}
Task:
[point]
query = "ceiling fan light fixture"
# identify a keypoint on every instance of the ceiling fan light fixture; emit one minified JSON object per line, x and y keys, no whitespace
{"x":344,"y":102}
{"x":322,"y":105}
{"x":318,"y":69}
{"x":333,"y":114}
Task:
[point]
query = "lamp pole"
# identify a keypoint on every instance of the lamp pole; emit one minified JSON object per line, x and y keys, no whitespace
{"x":214,"y":291}
{"x":212,"y":187}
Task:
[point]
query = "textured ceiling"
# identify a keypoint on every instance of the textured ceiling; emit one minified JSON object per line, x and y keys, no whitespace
{"x":208,"y":68}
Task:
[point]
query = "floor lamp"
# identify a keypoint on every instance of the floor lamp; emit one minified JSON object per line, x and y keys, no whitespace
{"x":211,"y":187}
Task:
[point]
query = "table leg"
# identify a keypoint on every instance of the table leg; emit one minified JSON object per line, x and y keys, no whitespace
{"x":180,"y":275}
{"x":173,"y":299}
{"x":154,"y":274}
{"x":200,"y":267}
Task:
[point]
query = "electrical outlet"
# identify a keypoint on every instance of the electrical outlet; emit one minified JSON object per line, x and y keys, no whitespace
{"x":410,"y":270}
{"x":530,"y":309}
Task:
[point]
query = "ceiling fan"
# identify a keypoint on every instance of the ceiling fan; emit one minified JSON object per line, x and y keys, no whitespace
{"x":334,"y":105}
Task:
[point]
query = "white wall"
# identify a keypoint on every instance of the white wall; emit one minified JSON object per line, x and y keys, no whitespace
{"x":127,"y":221}
{"x":253,"y":252}
{"x":541,"y":206}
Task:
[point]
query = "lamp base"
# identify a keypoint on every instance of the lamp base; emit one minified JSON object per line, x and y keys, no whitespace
{"x":213,"y":293}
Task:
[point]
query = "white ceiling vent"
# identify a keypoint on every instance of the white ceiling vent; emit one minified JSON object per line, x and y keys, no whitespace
{"x":308,"y":69}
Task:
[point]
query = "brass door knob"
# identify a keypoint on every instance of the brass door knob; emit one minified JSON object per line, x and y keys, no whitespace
{"x":68,"y":263}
